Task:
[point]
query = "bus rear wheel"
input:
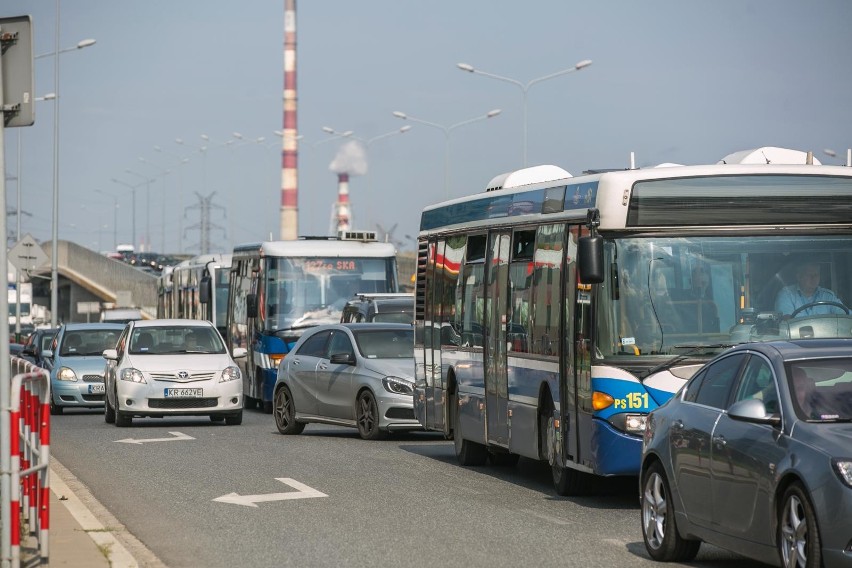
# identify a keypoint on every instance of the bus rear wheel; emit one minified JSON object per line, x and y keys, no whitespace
{"x":468,"y":453}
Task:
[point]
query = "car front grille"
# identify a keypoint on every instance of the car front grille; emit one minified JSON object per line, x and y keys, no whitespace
{"x":93,"y":397}
{"x":93,"y":378}
{"x":182,"y":403}
{"x":400,"y":414}
{"x":191,"y":377}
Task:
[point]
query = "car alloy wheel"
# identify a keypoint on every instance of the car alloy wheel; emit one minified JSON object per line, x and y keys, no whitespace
{"x":659,"y":528}
{"x":284,"y":412}
{"x":368,"y":417}
{"x":798,"y":537}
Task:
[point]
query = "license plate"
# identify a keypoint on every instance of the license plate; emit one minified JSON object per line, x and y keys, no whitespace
{"x":96,"y":389}
{"x":183,"y":393}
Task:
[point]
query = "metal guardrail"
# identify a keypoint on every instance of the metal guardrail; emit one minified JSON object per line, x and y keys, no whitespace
{"x":28,"y":499}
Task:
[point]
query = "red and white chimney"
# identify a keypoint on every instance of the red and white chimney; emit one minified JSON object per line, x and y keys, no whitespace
{"x":289,"y":219}
{"x":343,"y":216}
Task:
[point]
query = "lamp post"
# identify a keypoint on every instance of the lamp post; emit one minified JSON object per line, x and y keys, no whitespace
{"x":335,"y":135}
{"x":133,"y":189}
{"x":181,"y":161}
{"x":447,"y":130}
{"x":114,"y":217}
{"x":147,"y":181}
{"x":525,"y":87}
{"x":54,"y":241}
{"x":162,"y":173}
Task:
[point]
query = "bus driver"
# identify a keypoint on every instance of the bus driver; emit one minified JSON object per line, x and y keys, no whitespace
{"x":807,"y":291}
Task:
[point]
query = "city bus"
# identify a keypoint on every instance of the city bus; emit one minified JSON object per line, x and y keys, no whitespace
{"x":280,"y":288}
{"x":196,"y":288}
{"x":553,"y":313}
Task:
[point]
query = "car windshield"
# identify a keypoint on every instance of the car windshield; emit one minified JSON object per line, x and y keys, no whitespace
{"x":822,"y":390}
{"x":171,"y":340}
{"x":385,"y":343}
{"x":84,"y":342}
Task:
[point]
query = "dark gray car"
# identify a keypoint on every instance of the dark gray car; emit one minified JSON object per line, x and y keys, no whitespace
{"x":754,"y":454}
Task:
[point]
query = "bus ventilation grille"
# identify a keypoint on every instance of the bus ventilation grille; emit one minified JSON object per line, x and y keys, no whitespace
{"x":356,"y":235}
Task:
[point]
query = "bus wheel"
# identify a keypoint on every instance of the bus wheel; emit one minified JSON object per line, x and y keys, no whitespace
{"x":566,"y":480}
{"x":468,"y":453}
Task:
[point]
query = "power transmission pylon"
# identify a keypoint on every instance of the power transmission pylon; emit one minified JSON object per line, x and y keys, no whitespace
{"x":205,"y":225}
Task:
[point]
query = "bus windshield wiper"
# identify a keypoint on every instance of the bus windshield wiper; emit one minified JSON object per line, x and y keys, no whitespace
{"x":693,"y":349}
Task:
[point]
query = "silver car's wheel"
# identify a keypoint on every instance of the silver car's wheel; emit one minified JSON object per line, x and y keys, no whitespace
{"x":659,"y":529}
{"x":367,"y":416}
{"x":798,"y":536}
{"x":284,"y":412}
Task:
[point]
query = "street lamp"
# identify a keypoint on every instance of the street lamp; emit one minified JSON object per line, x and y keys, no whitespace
{"x":335,"y":135}
{"x":447,"y":130}
{"x":525,"y":87}
{"x":147,"y":182}
{"x":133,"y":189}
{"x":54,"y":241}
{"x":181,"y":161}
{"x":162,"y":173}
{"x":114,"y":217}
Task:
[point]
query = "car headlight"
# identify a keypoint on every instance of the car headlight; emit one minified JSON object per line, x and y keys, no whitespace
{"x":629,"y":423}
{"x":843,"y":469}
{"x":230,"y":374}
{"x":132,"y":375}
{"x":66,"y":374}
{"x":397,"y":385}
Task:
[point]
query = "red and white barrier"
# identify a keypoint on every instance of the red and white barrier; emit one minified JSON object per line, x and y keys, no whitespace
{"x":30,"y":456}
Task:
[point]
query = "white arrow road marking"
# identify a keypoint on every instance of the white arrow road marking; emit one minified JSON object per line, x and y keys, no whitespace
{"x":175,"y":436}
{"x":302,"y":492}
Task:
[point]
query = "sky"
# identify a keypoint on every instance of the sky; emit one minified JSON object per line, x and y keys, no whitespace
{"x":670,"y":81}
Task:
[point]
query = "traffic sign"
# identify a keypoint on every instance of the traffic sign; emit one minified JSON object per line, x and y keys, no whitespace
{"x":16,"y":71}
{"x":27,"y":254}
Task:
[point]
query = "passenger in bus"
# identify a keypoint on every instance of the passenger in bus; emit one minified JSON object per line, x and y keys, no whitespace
{"x":806,"y":291}
{"x":697,"y":309}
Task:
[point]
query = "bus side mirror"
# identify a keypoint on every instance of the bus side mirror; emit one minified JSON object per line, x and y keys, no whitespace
{"x":251,"y":305}
{"x":590,"y":257}
{"x":204,"y":291}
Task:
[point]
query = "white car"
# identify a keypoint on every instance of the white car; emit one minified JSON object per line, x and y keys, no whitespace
{"x":172,"y":367}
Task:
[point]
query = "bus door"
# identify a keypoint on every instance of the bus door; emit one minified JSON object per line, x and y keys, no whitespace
{"x":496,"y":377}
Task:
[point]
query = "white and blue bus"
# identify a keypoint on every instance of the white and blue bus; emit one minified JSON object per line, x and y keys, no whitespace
{"x":280,"y":288}
{"x":553,"y":313}
{"x":196,"y":289}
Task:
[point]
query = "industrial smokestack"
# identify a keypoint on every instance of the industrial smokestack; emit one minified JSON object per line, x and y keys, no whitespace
{"x":342,"y":206}
{"x":289,"y":144}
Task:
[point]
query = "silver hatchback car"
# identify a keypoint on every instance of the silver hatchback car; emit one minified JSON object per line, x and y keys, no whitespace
{"x":754,"y":454}
{"x":356,"y":374}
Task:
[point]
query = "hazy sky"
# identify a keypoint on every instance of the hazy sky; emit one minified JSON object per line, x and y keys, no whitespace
{"x":672,"y":81}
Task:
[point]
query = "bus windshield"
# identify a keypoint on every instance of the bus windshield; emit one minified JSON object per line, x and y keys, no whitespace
{"x":666,"y":294}
{"x":308,"y":291}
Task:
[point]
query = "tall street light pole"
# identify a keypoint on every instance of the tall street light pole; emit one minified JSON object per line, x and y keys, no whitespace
{"x":147,"y":181}
{"x":54,"y":241}
{"x":525,"y":87}
{"x":132,"y":206}
{"x":162,"y":173}
{"x":181,"y":161}
{"x":114,"y":217}
{"x":447,"y":130}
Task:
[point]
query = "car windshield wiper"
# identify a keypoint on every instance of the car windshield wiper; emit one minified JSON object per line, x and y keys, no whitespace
{"x":693,"y":349}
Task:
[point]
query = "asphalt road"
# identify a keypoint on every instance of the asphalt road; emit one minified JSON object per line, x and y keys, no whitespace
{"x":399,"y":502}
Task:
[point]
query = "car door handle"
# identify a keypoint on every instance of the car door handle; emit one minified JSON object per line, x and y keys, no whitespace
{"x":323,"y":366}
{"x":677,"y":425}
{"x":295,"y":362}
{"x":720,"y":441}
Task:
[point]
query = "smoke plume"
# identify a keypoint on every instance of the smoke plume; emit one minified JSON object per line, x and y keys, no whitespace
{"x":351,"y":159}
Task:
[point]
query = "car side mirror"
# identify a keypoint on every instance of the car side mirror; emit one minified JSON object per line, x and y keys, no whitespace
{"x":753,"y":410}
{"x":343,"y":359}
{"x":110,"y":354}
{"x":47,"y":354}
{"x":239,"y":352}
